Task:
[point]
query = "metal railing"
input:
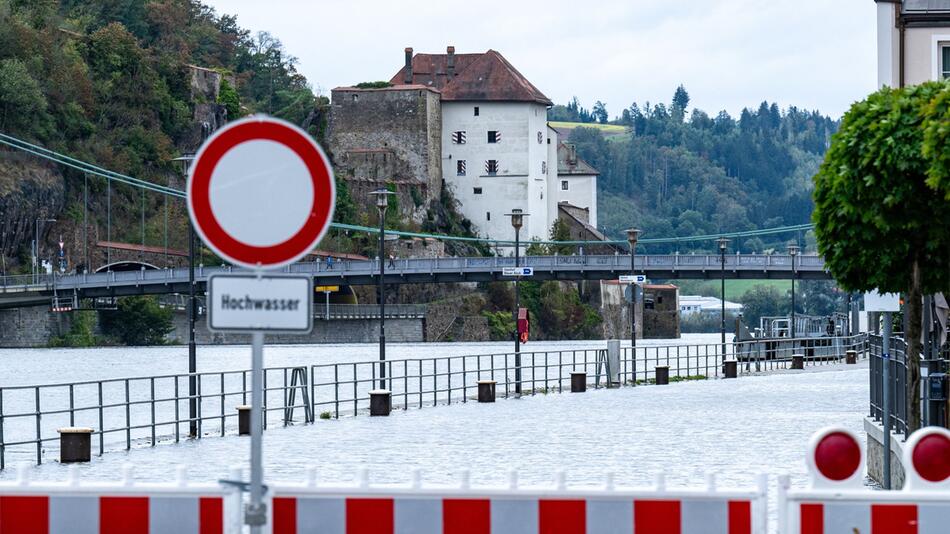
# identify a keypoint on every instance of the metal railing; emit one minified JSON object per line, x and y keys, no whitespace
{"x":896,"y":385}
{"x":143,"y":411}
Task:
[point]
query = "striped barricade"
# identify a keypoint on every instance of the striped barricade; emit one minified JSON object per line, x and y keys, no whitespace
{"x":362,"y":509}
{"x":838,"y":501}
{"x":125,"y":507}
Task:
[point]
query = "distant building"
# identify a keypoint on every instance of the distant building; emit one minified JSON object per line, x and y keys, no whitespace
{"x":691,"y":304}
{"x":661,"y":318}
{"x":471,"y":123}
{"x":913,"y":41}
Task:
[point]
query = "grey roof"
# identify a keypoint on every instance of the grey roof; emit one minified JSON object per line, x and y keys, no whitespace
{"x":567,"y":167}
{"x":925,"y":6}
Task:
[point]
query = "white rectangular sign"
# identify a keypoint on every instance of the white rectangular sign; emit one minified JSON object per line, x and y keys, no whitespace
{"x":517,"y":271}
{"x":882,"y":302}
{"x":266,"y":303}
{"x":638,"y":279}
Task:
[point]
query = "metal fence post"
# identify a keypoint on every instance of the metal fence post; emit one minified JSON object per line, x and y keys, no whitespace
{"x":885,"y":358}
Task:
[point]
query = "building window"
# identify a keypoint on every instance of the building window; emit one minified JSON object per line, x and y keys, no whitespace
{"x":540,"y":137}
{"x":460,"y":167}
{"x":487,"y":215}
{"x":491,"y":167}
{"x":458,"y":137}
{"x":477,"y":191}
{"x":564,"y":185}
{"x":544,"y":167}
{"x":494,"y":136}
{"x":549,"y":140}
{"x":944,"y":61}
{"x":356,"y":97}
{"x":476,"y":111}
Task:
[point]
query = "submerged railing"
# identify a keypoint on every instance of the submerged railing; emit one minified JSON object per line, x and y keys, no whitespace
{"x":125,"y":412}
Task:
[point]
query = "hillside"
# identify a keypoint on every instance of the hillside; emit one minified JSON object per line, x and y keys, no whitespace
{"x":682,"y":173}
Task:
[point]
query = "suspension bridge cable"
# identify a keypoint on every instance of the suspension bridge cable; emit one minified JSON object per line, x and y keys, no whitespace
{"x":95,"y":170}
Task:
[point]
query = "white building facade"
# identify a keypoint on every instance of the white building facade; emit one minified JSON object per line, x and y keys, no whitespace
{"x":498,"y":152}
{"x":913,"y":41}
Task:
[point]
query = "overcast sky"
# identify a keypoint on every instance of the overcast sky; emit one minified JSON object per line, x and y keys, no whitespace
{"x":729,"y":54}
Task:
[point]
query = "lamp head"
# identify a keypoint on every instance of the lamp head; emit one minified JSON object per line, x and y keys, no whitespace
{"x":723,"y":243}
{"x":633,"y":234}
{"x":517,"y":218}
{"x":793,"y":250}
{"x":382,"y":197}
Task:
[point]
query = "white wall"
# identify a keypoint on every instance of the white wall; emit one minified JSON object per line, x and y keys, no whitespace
{"x":887,"y":46}
{"x":581,"y":192}
{"x":921,"y":50}
{"x":519,"y":182}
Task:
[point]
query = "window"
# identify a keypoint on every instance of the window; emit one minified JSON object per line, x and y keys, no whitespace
{"x":487,"y":215}
{"x":491,"y":167}
{"x":944,"y":61}
{"x":476,"y":111}
{"x":544,"y":167}
{"x":477,"y":191}
{"x":458,"y":137}
{"x":356,"y":97}
{"x":494,"y":136}
{"x":540,"y":137}
{"x":564,"y":185}
{"x":460,"y":167}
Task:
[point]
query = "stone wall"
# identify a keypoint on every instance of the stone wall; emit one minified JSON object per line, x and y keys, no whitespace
{"x":661,"y":314}
{"x":875,"y":454}
{"x":31,"y":327}
{"x":389,"y":135}
{"x":333,"y":331}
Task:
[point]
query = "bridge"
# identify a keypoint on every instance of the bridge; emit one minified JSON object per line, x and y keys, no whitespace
{"x":18,"y":291}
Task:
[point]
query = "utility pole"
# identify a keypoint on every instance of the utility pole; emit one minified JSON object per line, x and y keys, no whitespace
{"x":517,"y":221}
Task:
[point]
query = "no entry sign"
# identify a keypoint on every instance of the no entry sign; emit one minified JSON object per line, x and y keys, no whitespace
{"x":261,"y":193}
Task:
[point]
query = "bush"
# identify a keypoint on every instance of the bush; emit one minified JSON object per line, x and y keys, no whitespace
{"x":500,"y":325}
{"x":138,"y":321}
{"x":81,"y":332}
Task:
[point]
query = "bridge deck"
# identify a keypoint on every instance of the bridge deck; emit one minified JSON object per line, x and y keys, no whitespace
{"x":23,"y":290}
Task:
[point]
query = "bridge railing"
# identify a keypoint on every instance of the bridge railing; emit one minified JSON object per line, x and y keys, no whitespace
{"x":147,"y":410}
{"x":733,"y":262}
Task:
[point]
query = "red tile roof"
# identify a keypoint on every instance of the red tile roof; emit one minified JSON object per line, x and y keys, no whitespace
{"x":478,"y":77}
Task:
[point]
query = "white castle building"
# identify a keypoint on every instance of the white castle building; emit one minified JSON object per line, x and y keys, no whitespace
{"x":468,"y":122}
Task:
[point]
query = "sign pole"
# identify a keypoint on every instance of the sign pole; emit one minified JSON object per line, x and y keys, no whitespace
{"x":886,"y":381}
{"x":256,"y":514}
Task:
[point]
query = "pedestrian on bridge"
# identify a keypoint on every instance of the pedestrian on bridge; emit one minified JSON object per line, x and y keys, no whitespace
{"x":329,"y":263}
{"x":392,"y":261}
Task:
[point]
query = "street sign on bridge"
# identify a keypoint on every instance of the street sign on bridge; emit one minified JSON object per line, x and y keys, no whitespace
{"x":517,"y":271}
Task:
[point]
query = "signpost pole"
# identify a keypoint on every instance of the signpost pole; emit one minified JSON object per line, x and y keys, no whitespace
{"x":192,"y":350}
{"x":256,"y":514}
{"x":327,"y":295}
{"x":886,"y":382}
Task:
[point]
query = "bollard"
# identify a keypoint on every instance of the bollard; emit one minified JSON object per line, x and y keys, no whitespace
{"x":662,"y":375}
{"x":851,"y":357}
{"x":486,"y":391}
{"x":380,"y":402}
{"x":798,"y":361}
{"x":244,"y":420}
{"x":75,"y":444}
{"x":730,"y":369}
{"x":578,"y":382}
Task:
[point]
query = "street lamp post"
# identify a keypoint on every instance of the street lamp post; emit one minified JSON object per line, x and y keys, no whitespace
{"x":36,"y":249}
{"x":185,"y":162}
{"x":517,"y":221}
{"x":382,"y":202}
{"x":633,"y":234}
{"x":723,"y":244}
{"x":793,"y":251}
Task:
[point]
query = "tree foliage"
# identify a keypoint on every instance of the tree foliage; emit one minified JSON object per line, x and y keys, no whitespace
{"x":708,"y":174}
{"x":138,"y":321}
{"x":878,"y":223}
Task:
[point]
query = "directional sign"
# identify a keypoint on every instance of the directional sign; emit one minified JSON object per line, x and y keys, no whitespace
{"x":327,"y":289}
{"x":638,"y":279}
{"x":261,"y":192}
{"x":266,"y":303}
{"x":517,"y":271}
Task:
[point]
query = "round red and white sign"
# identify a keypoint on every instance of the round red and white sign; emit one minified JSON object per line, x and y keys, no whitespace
{"x":261,"y":192}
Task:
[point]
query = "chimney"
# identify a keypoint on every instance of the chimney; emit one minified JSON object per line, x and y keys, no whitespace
{"x":408,"y":76}
{"x":572,"y":155}
{"x":450,"y":63}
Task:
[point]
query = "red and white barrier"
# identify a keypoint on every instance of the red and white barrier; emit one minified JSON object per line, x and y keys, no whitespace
{"x":116,"y":508}
{"x":838,"y":501}
{"x":362,"y":509}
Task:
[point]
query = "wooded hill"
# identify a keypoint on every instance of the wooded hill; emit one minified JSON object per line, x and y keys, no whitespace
{"x":679,"y":173}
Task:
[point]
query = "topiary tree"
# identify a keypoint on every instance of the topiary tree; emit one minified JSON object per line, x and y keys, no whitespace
{"x":878,"y":224}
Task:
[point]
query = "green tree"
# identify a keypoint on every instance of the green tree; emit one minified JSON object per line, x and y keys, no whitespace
{"x":22,"y":104}
{"x":138,"y":321}
{"x":762,"y":301}
{"x":599,"y":113}
{"x":876,"y":219}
